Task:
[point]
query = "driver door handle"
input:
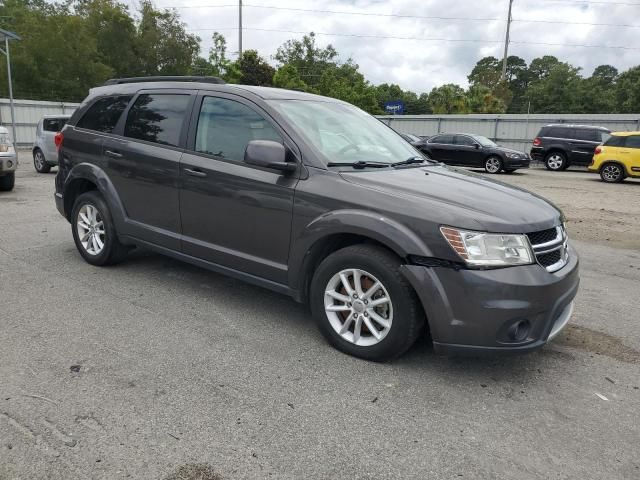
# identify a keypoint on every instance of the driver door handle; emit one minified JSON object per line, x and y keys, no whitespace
{"x":195,"y":172}
{"x":113,"y":154}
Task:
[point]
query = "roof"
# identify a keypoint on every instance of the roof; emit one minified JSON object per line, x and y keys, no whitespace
{"x":265,"y":93}
{"x":571,"y":125}
{"x":625,"y":134}
{"x":56,"y":116}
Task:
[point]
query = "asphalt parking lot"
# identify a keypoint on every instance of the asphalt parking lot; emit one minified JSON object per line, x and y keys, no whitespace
{"x":154,"y":369}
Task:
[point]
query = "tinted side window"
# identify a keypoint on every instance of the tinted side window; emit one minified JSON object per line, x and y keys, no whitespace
{"x":615,"y":141}
{"x":587,"y":134}
{"x":157,"y":118}
{"x":53,"y":124}
{"x":633,"y":141}
{"x":104,"y":114}
{"x":559,"y":132}
{"x":464,"y":140}
{"x":225,"y":127}
{"x":444,"y":139}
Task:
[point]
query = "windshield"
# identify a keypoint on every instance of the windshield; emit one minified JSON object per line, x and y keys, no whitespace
{"x":344,"y":134}
{"x":484,"y":141}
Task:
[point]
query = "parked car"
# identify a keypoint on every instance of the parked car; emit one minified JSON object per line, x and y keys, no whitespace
{"x":618,"y":158}
{"x":415,"y":141}
{"x":8,"y":161}
{"x":45,"y":154}
{"x":468,"y":150}
{"x":312,"y":197}
{"x":560,"y":146}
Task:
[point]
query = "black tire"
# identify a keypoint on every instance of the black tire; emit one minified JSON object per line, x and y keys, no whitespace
{"x":510,"y":170}
{"x":39,"y":162}
{"x":407,"y":320}
{"x":112,"y":251}
{"x":612,"y":173}
{"x":556,"y":161}
{"x":7,"y":182}
{"x":493,"y":165}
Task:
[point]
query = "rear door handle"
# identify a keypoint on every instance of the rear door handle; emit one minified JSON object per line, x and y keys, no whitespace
{"x":112,"y":153}
{"x":195,"y":172}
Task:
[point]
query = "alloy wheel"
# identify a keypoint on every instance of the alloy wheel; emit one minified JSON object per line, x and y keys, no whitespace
{"x":492,"y":165}
{"x":358,"y":307}
{"x":555,"y":161}
{"x":90,"y":229}
{"x":38,"y":159}
{"x":611,"y":173}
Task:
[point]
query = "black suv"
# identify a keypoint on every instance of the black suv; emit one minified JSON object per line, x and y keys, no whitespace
{"x":311,"y":197}
{"x":560,"y":146}
{"x":468,"y":150}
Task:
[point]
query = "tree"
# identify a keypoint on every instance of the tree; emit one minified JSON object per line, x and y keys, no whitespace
{"x":449,"y":98}
{"x":309,"y":59}
{"x":482,"y":100}
{"x":254,"y":70}
{"x":556,"y":89}
{"x":164,"y":46}
{"x":288,"y":77}
{"x":597,"y":94}
{"x":345,"y":82}
{"x":628,"y":91}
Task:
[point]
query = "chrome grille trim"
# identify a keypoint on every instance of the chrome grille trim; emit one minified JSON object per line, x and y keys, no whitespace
{"x":558,"y":243}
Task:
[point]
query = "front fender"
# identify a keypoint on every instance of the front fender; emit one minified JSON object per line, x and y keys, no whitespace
{"x":376,"y":226}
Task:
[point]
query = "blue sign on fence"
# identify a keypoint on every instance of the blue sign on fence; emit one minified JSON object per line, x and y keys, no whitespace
{"x":395,"y":107}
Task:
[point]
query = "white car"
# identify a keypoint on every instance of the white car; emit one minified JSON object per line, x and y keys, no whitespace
{"x":8,"y":161}
{"x":45,"y":154}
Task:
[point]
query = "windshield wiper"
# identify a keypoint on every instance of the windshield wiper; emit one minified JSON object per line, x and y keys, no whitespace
{"x":410,"y":161}
{"x":359,"y":164}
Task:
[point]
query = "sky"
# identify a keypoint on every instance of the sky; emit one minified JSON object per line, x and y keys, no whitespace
{"x":425,"y":51}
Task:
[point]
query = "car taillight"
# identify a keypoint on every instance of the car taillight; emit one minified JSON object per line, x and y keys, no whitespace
{"x":58,"y":140}
{"x":598,"y":150}
{"x":537,"y":142}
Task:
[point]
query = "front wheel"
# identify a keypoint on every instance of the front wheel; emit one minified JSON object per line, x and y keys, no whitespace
{"x":612,"y":173}
{"x":363,"y":304}
{"x":7,"y":182}
{"x":39,"y":162}
{"x":493,"y":165}
{"x":94,"y":232}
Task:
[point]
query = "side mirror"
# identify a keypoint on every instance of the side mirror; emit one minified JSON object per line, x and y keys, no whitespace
{"x":477,"y":146}
{"x":268,"y":154}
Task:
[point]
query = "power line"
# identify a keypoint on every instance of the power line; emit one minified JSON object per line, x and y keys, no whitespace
{"x":419,"y":17}
{"x":426,"y":39}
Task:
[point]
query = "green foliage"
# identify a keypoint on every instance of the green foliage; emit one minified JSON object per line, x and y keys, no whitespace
{"x":449,"y":98}
{"x":288,"y":77}
{"x":346,"y":83}
{"x":254,"y":70}
{"x":309,"y":59}
{"x":483,"y":100}
{"x":628,"y":91}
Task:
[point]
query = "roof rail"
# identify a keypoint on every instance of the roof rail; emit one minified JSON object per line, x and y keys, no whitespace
{"x":164,"y":78}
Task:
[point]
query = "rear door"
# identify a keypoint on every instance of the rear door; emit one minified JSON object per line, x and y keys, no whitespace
{"x":143,"y":163}
{"x":583,"y":143}
{"x":632,"y":158}
{"x":441,"y":148}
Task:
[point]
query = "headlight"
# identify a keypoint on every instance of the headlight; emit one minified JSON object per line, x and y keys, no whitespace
{"x":513,"y":155}
{"x":489,"y":249}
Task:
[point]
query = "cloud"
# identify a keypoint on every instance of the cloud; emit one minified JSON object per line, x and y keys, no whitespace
{"x":417,"y":64}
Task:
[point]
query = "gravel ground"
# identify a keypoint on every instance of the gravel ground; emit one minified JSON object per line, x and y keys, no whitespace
{"x":154,"y":369}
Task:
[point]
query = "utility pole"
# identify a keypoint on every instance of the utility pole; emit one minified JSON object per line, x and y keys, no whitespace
{"x":506,"y":44}
{"x":240,"y":29}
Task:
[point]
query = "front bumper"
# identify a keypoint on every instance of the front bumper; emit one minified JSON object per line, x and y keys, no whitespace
{"x":8,"y":163}
{"x":476,"y":311}
{"x":517,"y":162}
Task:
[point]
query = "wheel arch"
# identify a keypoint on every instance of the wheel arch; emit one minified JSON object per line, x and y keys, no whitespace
{"x":604,"y":163}
{"x":333,"y":231}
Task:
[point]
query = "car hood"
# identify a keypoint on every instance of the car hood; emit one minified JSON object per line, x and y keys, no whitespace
{"x":456,"y":197}
{"x":507,"y":150}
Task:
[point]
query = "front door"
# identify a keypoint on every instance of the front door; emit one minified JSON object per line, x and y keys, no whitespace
{"x":467,"y":152}
{"x":441,"y":148}
{"x":234,"y":214}
{"x":143,"y":162}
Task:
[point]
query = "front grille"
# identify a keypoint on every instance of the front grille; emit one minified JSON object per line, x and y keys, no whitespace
{"x":550,"y":248}
{"x":548,"y":259}
{"x":543,"y":236}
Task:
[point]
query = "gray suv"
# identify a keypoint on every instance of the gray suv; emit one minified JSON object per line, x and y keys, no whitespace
{"x":311,"y":197}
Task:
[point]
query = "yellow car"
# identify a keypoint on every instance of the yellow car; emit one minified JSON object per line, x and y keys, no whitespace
{"x":618,"y":157}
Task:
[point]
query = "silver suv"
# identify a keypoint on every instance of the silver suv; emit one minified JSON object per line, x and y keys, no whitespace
{"x":45,"y":154}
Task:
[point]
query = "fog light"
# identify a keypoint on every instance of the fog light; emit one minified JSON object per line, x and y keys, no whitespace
{"x":9,"y":164}
{"x":519,"y":330}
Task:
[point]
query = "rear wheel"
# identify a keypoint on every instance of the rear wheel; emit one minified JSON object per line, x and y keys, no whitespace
{"x":363,"y":304}
{"x":556,"y":161}
{"x":39,"y":162}
{"x":7,"y":182}
{"x":94,"y":232}
{"x":612,"y":173}
{"x":493,"y":165}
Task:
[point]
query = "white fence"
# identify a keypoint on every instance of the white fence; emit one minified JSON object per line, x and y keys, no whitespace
{"x":28,"y":113}
{"x":513,"y":131}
